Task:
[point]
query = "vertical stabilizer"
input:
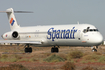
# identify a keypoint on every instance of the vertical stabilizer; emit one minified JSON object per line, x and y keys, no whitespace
{"x":12,"y":19}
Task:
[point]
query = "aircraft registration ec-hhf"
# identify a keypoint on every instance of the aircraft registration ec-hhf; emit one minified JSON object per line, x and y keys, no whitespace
{"x":51,"y":35}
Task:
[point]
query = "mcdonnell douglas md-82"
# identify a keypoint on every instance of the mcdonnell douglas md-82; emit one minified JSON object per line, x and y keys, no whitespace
{"x":51,"y":35}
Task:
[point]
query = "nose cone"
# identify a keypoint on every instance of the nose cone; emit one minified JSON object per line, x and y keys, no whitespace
{"x":96,"y":39}
{"x":99,"y":39}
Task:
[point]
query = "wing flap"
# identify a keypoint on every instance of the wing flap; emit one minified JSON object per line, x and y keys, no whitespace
{"x":20,"y":41}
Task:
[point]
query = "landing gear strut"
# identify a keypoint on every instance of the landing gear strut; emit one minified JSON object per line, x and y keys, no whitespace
{"x":28,"y":49}
{"x":94,"y":49}
{"x":54,"y":49}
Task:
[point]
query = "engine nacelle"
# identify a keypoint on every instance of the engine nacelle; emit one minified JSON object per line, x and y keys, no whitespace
{"x":11,"y":35}
{"x":15,"y":34}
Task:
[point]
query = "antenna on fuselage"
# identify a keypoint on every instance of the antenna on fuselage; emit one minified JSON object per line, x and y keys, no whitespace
{"x":78,"y":22}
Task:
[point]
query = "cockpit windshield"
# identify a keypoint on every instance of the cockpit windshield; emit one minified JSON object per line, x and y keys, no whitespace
{"x":90,"y":30}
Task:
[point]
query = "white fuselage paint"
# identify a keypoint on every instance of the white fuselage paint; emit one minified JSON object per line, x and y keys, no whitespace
{"x":59,"y":35}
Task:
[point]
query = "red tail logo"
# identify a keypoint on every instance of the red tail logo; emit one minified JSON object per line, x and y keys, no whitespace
{"x":12,"y":21}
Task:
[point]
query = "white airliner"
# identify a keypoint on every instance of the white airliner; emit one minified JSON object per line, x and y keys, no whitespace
{"x":51,"y":35}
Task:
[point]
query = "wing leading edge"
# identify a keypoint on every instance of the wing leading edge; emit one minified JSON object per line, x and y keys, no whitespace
{"x":20,"y":41}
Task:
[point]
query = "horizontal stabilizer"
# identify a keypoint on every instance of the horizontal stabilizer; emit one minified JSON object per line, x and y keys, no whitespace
{"x":16,"y":11}
{"x":20,"y":41}
{"x":23,"y":12}
{"x":10,"y":10}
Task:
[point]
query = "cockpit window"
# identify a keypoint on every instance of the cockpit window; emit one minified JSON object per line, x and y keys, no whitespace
{"x":90,"y":30}
{"x":84,"y":30}
{"x":95,"y":29}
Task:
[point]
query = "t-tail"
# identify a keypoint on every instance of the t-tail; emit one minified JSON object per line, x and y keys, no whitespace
{"x":11,"y":17}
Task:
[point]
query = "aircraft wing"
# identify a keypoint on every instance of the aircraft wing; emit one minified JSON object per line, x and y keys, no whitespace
{"x":20,"y":41}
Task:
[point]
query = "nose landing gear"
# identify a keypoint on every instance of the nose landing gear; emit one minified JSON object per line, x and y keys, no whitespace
{"x":94,"y":49}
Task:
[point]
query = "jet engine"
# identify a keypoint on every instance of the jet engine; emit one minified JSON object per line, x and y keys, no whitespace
{"x":15,"y":34}
{"x":11,"y":35}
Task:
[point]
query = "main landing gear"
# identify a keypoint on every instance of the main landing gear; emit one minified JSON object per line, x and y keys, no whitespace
{"x":54,"y":49}
{"x":28,"y":49}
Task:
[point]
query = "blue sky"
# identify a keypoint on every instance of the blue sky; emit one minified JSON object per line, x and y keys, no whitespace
{"x":52,"y":12}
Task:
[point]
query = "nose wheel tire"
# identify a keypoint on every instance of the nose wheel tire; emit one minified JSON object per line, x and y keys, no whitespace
{"x":94,"y":50}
